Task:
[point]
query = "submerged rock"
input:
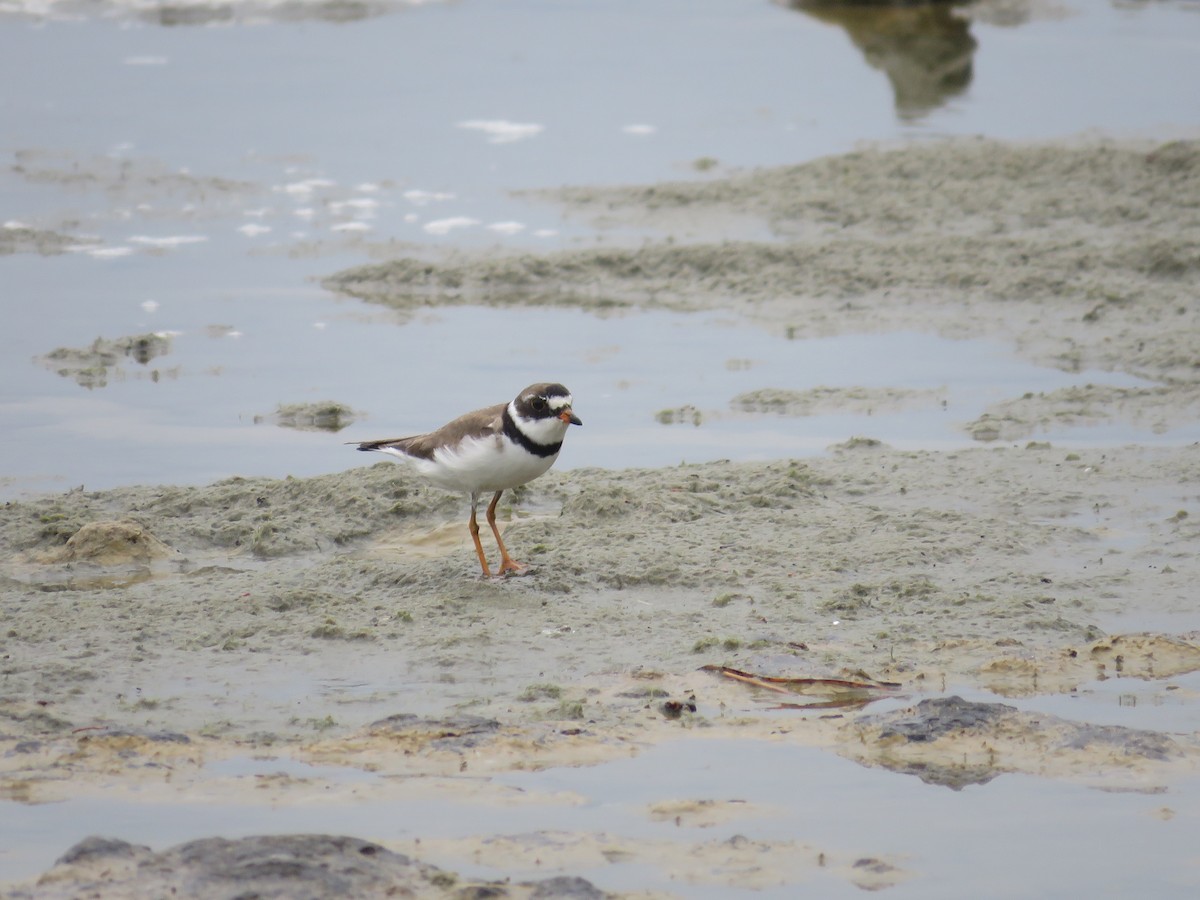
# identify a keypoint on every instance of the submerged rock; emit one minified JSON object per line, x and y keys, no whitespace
{"x":292,"y":866}
{"x":943,"y":715}
{"x":295,"y":867}
{"x":954,"y":742}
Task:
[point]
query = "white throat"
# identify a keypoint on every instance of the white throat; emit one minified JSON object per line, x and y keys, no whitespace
{"x":541,"y":431}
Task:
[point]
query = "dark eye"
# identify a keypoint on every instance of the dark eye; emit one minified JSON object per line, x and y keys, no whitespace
{"x":538,"y":404}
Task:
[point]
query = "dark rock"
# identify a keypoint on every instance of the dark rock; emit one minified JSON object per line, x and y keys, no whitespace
{"x":1147,"y":744}
{"x":566,"y":886}
{"x":292,"y":866}
{"x":93,"y":848}
{"x":267,"y":867}
{"x":481,"y":892}
{"x":941,"y":715}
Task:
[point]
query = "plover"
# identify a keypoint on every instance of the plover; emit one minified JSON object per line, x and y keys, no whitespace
{"x":492,"y":449}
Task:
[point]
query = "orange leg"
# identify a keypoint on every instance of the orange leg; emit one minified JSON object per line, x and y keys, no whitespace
{"x":473,"y":527}
{"x":507,"y":563}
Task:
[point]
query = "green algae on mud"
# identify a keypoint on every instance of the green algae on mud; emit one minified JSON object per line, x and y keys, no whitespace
{"x":1084,"y":255}
{"x":917,"y":567}
{"x":970,"y":237}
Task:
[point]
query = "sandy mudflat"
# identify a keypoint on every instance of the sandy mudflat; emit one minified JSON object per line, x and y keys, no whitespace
{"x":179,"y":625}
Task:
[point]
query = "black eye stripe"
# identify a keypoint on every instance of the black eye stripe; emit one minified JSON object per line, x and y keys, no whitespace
{"x":541,"y":405}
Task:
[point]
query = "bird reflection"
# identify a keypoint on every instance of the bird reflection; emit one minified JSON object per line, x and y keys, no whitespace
{"x":925,"y":49}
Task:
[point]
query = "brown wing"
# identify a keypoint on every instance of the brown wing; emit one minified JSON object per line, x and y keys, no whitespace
{"x":479,"y":423}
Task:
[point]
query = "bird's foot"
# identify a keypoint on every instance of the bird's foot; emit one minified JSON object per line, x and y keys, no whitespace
{"x":511,"y":568}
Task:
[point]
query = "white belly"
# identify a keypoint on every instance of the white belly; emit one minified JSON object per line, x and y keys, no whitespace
{"x":489,"y":464}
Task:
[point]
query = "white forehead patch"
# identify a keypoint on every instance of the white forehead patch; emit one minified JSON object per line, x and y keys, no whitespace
{"x":555,"y":402}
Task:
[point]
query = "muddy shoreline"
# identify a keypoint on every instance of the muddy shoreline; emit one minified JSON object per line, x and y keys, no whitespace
{"x":338,"y":620}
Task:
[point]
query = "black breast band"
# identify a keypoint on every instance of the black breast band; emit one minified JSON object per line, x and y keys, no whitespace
{"x":512,"y":431}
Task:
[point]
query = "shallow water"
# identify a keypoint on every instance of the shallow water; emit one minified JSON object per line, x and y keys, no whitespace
{"x":1081,"y":840}
{"x":207,"y":413}
{"x":1167,"y":705}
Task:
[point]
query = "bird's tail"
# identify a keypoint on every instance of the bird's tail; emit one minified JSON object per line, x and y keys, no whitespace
{"x":377,"y":445}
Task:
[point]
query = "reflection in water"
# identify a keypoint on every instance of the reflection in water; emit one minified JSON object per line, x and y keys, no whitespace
{"x":328,"y":415}
{"x":198,"y":12}
{"x":92,"y":366}
{"x":926,"y":49}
